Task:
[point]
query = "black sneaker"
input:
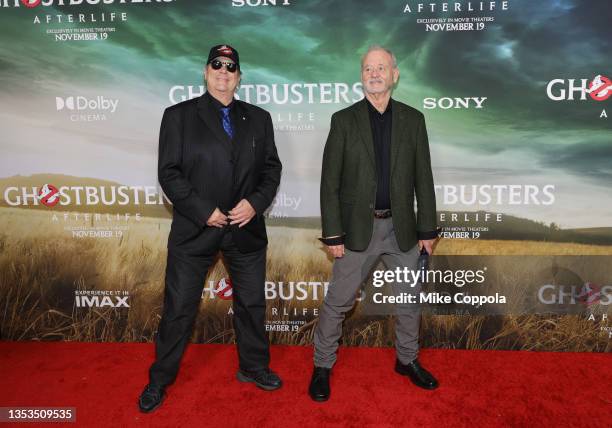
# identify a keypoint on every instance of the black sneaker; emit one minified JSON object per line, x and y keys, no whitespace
{"x":264,"y":379}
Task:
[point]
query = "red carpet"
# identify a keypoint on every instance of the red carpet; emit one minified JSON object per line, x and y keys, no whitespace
{"x":477,"y":388}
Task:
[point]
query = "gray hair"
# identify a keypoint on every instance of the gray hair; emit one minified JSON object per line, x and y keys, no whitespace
{"x":379,"y":48}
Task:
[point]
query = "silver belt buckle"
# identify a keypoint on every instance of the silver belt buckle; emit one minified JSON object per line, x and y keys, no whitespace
{"x":382,"y":213}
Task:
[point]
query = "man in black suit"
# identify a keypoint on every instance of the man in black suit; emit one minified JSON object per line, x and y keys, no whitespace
{"x":219,"y":166}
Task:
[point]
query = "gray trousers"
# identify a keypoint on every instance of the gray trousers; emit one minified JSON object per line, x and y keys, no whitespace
{"x":349,"y":272}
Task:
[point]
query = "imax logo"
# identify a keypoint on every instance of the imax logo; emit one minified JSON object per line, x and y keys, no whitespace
{"x":80,"y":103}
{"x":107,"y":301}
{"x":255,"y":3}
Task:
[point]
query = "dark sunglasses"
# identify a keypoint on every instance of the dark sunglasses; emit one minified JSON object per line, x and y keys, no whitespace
{"x":229,"y":66}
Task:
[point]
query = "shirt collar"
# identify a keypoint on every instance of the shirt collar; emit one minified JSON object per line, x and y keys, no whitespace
{"x":218,"y":104}
{"x":372,"y":109}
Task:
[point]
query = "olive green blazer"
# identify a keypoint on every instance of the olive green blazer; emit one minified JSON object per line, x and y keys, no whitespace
{"x":348,"y":178}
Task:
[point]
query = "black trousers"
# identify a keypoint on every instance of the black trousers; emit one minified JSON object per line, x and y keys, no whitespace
{"x":185,"y":277}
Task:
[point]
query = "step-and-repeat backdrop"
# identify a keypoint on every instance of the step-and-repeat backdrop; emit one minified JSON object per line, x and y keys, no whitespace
{"x":516,"y":96}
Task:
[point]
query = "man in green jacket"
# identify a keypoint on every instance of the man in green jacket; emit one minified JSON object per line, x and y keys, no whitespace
{"x":376,"y":160}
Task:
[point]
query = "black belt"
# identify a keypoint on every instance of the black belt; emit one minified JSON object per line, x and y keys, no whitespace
{"x":382,"y":213}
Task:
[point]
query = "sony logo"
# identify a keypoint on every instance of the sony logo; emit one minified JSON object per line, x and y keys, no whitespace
{"x":447,"y":102}
{"x":254,"y":3}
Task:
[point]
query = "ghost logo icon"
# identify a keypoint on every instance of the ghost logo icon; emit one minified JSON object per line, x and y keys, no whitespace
{"x":600,"y":88}
{"x":48,"y":195}
{"x":224,"y":289}
{"x":589,"y":294}
{"x":225,"y":50}
{"x":30,"y":3}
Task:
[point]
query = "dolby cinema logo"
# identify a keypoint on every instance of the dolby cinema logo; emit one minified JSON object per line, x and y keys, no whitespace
{"x":86,"y":109}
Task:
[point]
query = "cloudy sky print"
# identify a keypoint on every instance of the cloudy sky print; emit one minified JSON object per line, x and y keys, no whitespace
{"x":520,"y":136}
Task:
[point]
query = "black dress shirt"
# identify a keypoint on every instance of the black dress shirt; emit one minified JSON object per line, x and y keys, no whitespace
{"x":381,"y":135}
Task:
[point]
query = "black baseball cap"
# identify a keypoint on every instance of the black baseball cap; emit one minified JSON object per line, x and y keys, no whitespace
{"x":223,"y":50}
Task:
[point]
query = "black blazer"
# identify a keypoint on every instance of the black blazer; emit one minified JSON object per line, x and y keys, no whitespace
{"x":200,"y":169}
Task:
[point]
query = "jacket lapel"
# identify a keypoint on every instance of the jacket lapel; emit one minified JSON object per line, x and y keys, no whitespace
{"x":362,"y":118}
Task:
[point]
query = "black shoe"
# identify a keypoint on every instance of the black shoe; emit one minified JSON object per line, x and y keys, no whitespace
{"x":265,"y":379}
{"x":417,"y":374}
{"x":319,"y":384}
{"x":151,"y":398}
